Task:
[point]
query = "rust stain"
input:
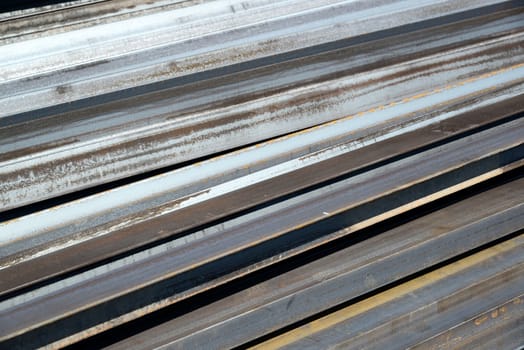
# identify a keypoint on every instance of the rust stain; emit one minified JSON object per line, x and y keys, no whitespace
{"x":481,"y":320}
{"x":63,"y":89}
{"x":384,"y":298}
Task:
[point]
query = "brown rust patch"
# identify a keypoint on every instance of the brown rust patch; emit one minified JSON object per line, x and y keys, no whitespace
{"x":479,"y":321}
{"x":63,"y":89}
{"x":35,"y":149}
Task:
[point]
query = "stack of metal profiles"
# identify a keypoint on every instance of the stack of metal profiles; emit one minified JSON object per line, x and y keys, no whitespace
{"x":298,"y":174}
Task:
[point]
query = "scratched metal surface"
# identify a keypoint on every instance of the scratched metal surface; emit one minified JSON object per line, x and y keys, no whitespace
{"x":498,"y":328}
{"x":342,"y":276}
{"x":46,"y":233}
{"x":405,"y":315}
{"x":32,"y":23}
{"x":35,"y":258}
{"x":203,"y":35}
{"x":153,"y":279}
{"x":46,"y":158}
{"x":261,"y":173}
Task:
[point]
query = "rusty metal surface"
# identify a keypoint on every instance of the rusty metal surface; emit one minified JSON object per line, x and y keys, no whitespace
{"x":261,"y":173}
{"x":404,"y":315}
{"x":142,"y":278}
{"x":472,"y":159}
{"x":39,"y":267}
{"x":103,"y":145}
{"x":199,"y":38}
{"x":501,"y":327}
{"x":32,"y":23}
{"x":326,"y":282}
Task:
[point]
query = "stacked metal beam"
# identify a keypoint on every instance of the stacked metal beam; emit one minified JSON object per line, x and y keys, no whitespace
{"x":260,"y":173}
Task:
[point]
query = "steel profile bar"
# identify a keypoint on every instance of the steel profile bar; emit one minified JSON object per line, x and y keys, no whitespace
{"x":23,"y":268}
{"x":404,"y":315}
{"x":331,"y":280}
{"x":22,"y":236}
{"x":31,"y":23}
{"x":262,"y":173}
{"x":313,"y":65}
{"x":48,"y":173}
{"x":31,"y":11}
{"x":205,"y":248}
{"x":363,"y":52}
{"x":190,"y":36}
{"x":498,"y":328}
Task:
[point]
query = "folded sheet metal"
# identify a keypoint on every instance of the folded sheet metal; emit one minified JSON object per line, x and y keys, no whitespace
{"x":217,"y":174}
